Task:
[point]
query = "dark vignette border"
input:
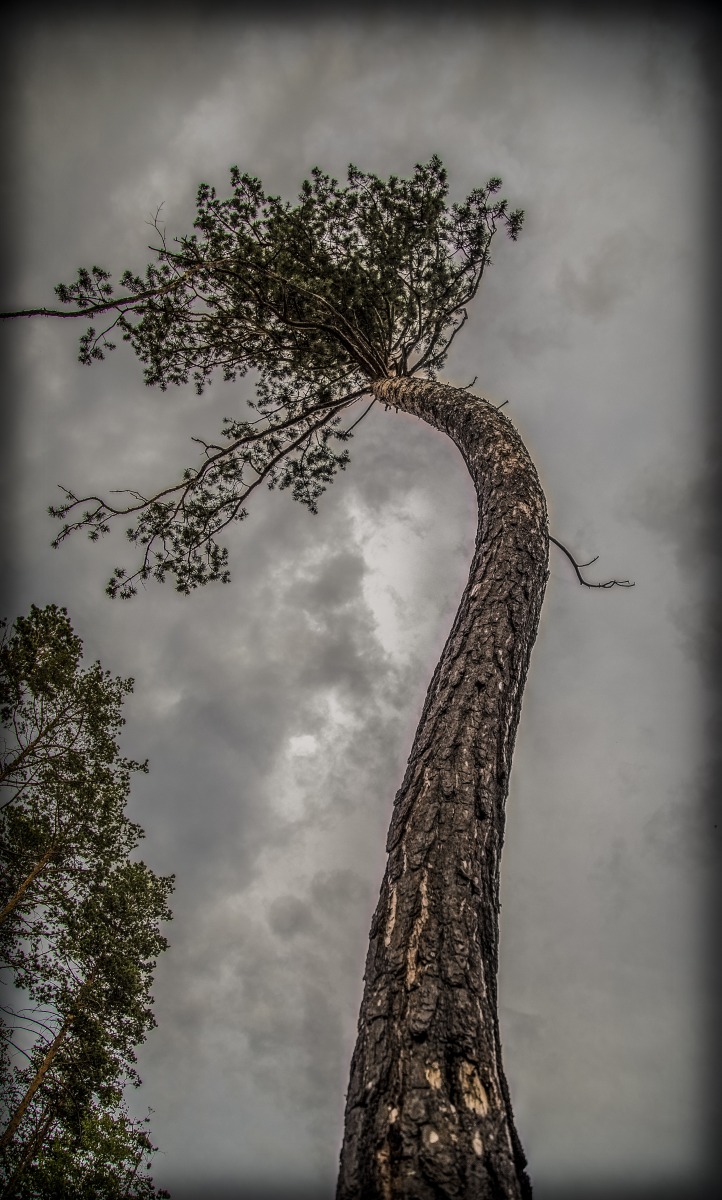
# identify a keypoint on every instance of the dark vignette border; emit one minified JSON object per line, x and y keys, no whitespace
{"x":707,"y":30}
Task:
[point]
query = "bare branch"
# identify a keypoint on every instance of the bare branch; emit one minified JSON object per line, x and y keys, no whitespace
{"x":363,"y":414}
{"x":185,"y":486}
{"x":585,"y":583}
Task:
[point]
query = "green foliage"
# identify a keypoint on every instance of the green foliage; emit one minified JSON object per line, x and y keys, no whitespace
{"x":318,"y":298}
{"x":349,"y":282}
{"x":106,"y":1158}
{"x":63,"y":783}
{"x":93,"y":982}
{"x":79,"y":919}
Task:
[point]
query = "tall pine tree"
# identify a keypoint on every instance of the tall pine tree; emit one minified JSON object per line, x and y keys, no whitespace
{"x":354,"y":292}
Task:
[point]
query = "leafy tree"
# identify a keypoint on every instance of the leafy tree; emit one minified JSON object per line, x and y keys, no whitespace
{"x":80,"y":919}
{"x":63,"y":782}
{"x":360,"y":290}
{"x":106,"y":1158}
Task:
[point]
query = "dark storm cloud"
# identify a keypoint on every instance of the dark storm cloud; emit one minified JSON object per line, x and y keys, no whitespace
{"x":337,"y":584}
{"x":614,"y":271}
{"x":289,"y":916}
{"x":679,"y":503}
{"x":691,"y":832}
{"x":679,"y":506}
{"x":317,"y":979}
{"x":233,"y":710}
{"x":288,"y":978}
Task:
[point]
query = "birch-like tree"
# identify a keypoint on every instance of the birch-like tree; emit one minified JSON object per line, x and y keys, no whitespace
{"x":63,"y":782}
{"x":355,"y":294}
{"x":79,"y":923}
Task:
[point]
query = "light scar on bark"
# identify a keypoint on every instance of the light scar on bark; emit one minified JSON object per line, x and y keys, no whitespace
{"x":472,"y":1089}
{"x":412,"y":966}
{"x":392,"y":916}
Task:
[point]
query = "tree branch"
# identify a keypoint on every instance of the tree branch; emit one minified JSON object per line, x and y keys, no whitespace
{"x":585,"y":583}
{"x":363,"y":414}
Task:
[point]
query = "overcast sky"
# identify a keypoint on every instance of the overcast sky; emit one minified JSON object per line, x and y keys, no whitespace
{"x":278,"y":711}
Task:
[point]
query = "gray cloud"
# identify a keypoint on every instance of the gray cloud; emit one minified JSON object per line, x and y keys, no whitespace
{"x":609,"y":276}
{"x":289,"y":916}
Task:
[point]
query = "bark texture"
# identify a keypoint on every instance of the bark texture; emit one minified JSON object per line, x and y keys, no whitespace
{"x":428,"y":1115}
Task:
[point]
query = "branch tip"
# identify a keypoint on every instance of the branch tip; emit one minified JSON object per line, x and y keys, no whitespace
{"x":578,"y":566}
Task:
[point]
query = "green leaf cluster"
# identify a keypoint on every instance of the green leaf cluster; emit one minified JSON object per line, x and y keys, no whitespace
{"x":79,"y":917}
{"x":351,"y":282}
{"x":106,"y":1157}
{"x":317,"y":298}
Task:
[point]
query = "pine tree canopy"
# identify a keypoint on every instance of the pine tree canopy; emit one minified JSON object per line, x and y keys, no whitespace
{"x":317,"y":298}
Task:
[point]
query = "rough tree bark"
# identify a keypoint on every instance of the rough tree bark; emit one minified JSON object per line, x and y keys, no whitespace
{"x":428,"y":1115}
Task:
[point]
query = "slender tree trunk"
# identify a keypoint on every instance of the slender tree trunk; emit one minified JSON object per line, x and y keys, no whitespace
{"x":29,"y":1154}
{"x":46,"y":1064}
{"x":40,"y":864}
{"x":428,"y":1115}
{"x":40,"y":1074}
{"x":11,"y":766}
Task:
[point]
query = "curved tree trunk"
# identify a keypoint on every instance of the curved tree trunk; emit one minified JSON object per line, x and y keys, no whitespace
{"x":428,"y":1114}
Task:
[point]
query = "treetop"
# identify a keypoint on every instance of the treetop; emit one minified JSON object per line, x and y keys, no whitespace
{"x":318,"y":298}
{"x":352,"y":283}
